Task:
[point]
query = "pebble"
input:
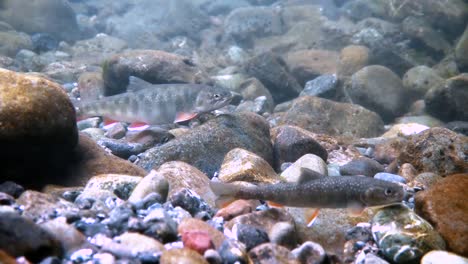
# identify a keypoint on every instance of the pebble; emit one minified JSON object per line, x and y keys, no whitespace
{"x":271,"y":253}
{"x":182,"y":255}
{"x":191,"y":202}
{"x":199,"y":241}
{"x":232,"y":251}
{"x":442,"y":257}
{"x":152,"y":183}
{"x":236,"y":208}
{"x":251,"y":236}
{"x":309,"y":252}
{"x":389,"y":177}
{"x":82,"y":255}
{"x":309,"y":161}
{"x":323,"y":86}
{"x":117,"y":131}
{"x":362,"y":166}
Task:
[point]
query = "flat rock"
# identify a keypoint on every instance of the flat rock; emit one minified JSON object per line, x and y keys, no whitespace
{"x":38,"y":127}
{"x":154,"y":66}
{"x":291,"y":142}
{"x":447,"y":100}
{"x":181,"y":175}
{"x":307,"y":65}
{"x":328,"y":117}
{"x":206,"y":145}
{"x":242,"y":165}
{"x":437,"y":150}
{"x":444,"y":205}
{"x":22,"y":237}
{"x":378,"y":89}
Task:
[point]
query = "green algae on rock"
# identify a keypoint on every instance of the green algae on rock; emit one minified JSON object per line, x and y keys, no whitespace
{"x":403,"y":236}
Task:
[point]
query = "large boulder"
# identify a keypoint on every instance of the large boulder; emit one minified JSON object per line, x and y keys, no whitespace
{"x":205,"y":146}
{"x":328,"y":117}
{"x":55,"y":17}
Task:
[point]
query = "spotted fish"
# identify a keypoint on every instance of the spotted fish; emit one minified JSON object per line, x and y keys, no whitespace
{"x":157,"y":104}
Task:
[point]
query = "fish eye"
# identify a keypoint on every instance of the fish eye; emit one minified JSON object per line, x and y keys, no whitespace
{"x":388,"y":191}
{"x":216,"y":96}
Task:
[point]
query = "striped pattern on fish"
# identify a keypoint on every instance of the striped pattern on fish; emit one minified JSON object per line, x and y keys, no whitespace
{"x":158,"y":104}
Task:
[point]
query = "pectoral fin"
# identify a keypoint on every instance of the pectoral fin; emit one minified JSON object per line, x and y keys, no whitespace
{"x":311,"y":215}
{"x":138,"y":126}
{"x":184,"y":116}
{"x":274,"y":205}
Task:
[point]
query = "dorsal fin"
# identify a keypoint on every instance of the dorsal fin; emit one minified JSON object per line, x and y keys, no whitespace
{"x":136,"y":84}
{"x":308,"y":175}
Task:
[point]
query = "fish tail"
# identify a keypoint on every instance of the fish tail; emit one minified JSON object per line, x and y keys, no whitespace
{"x":225,"y":192}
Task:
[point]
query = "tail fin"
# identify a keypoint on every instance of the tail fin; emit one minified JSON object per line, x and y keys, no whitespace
{"x":226,"y":192}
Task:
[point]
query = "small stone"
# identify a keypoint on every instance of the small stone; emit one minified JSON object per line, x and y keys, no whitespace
{"x":359,"y":233}
{"x":41,"y":206}
{"x":425,"y":180}
{"x":309,"y":252}
{"x":444,"y":205}
{"x":11,"y":188}
{"x":421,"y":79}
{"x":232,"y":251}
{"x":242,"y":165}
{"x":407,"y":171}
{"x":291,"y":142}
{"x":442,"y":257}
{"x":252,"y":88}
{"x":104,"y":258}
{"x":6,"y":199}
{"x":120,"y":185}
{"x":136,"y":243}
{"x":352,"y":59}
{"x":323,"y":86}
{"x":251,"y":236}
{"x":192,"y":225}
{"x":284,"y":234}
{"x":92,"y":122}
{"x":190,"y":201}
{"x":70,"y":238}
{"x":182,"y":255}
{"x":309,"y":161}
{"x":236,"y":208}
{"x":389,"y":177}
{"x":403,"y":130}
{"x":199,"y":241}
{"x":362,"y":166}
{"x":152,"y":183}
{"x":117,"y":131}
{"x":373,"y":259}
{"x":271,"y":253}
{"x":82,"y":255}
{"x":121,"y":148}
{"x":402,"y":235}
{"x":213,"y":257}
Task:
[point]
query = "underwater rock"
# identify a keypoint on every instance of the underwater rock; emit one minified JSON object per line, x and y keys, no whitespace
{"x":402,"y":235}
{"x":421,"y":79}
{"x":271,"y":253}
{"x":65,"y":71}
{"x":154,"y":66}
{"x":309,"y":161}
{"x":309,"y":64}
{"x":13,"y":41}
{"x":404,"y":130}
{"x":43,"y":42}
{"x":199,"y":241}
{"x":242,"y":165}
{"x":309,"y":252}
{"x":437,"y":150}
{"x":418,"y":29}
{"x":461,"y":51}
{"x":152,"y":183}
{"x":206,"y":145}
{"x":441,"y":257}
{"x":247,"y":23}
{"x":444,"y":205}
{"x":460,"y":127}
{"x":271,"y":70}
{"x":359,"y":9}
{"x":233,"y":251}
{"x":41,"y":206}
{"x":55,"y":17}
{"x":132,"y":244}
{"x":95,"y":50}
{"x":252,"y":88}
{"x":195,"y":225}
{"x":181,"y":255}
{"x":425,"y":180}
{"x":378,"y":89}
{"x":119,"y":185}
{"x":352,"y":59}
{"x":251,"y":236}
{"x":236,"y":208}
{"x":91,"y":86}
{"x":447,"y":100}
{"x":181,"y":175}
{"x":38,"y":127}
{"x":291,"y":142}
{"x":22,"y":237}
{"x":332,"y":118}
{"x":69,"y":237}
{"x":323,"y":86}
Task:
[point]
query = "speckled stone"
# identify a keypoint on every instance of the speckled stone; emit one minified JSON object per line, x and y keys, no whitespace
{"x":242,"y":165}
{"x":445,"y":206}
{"x":272,"y":253}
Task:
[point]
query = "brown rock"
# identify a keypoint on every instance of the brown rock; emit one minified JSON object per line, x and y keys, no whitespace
{"x":22,"y":237}
{"x":352,"y":59}
{"x":182,"y":256}
{"x":425,"y":180}
{"x":445,"y":206}
{"x":181,"y":175}
{"x":306,"y":65}
{"x":192,"y":225}
{"x":6,"y":259}
{"x":41,"y":206}
{"x":37,"y":128}
{"x":237,"y":208}
{"x":328,"y":117}
{"x":387,"y":151}
{"x":437,"y":150}
{"x":242,"y":165}
{"x":290,"y":143}
{"x":407,"y":171}
{"x":271,"y":253}
{"x":153,"y":66}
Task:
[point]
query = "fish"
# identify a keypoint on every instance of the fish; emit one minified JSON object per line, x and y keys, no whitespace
{"x":157,"y":104}
{"x":314,"y":190}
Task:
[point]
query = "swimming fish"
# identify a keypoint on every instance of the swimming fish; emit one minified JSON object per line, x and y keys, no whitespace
{"x":157,"y":104}
{"x":316,"y":191}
